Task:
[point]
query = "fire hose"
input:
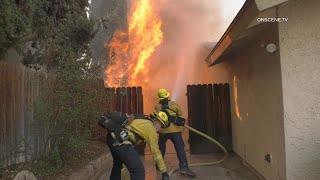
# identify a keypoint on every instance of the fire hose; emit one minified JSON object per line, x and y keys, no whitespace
{"x":210,"y":139}
{"x":126,"y":177}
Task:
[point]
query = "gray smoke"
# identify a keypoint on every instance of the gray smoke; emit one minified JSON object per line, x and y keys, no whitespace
{"x":187,"y":24}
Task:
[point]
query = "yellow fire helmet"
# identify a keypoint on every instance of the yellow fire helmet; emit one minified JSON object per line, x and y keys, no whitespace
{"x":161,"y":117}
{"x":163,"y":93}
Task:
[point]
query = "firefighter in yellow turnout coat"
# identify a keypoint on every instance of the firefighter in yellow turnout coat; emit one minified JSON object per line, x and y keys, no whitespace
{"x":173,"y":132}
{"x":138,"y":130}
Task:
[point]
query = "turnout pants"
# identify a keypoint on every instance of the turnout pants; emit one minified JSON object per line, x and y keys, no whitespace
{"x":125,"y":154}
{"x":178,"y":143}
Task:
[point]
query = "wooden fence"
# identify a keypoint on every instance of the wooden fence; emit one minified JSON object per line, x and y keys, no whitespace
{"x":209,"y":112}
{"x":19,"y":87}
{"x":127,"y":100}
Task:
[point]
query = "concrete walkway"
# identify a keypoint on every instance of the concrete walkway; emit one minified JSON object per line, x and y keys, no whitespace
{"x":231,"y":169}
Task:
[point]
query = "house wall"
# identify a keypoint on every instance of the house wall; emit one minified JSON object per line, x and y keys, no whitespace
{"x":257,"y":110}
{"x":264,"y":4}
{"x":204,"y":75}
{"x":300,"y":65}
{"x":256,"y":103}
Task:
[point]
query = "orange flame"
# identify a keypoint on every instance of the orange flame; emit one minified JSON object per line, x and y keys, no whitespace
{"x":235,"y":92}
{"x":130,"y":51}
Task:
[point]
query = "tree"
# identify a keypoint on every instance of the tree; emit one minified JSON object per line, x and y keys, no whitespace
{"x":60,"y":32}
{"x":15,"y":22}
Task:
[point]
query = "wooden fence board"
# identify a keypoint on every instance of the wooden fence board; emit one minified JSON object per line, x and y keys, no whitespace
{"x":228,"y":123}
{"x":129,"y":104}
{"x":113,"y":97}
{"x":194,"y":143}
{"x":139,"y":101}
{"x":189,"y":104}
{"x":2,"y":115}
{"x":215,"y":109}
{"x":209,"y":112}
{"x":3,"y":94}
{"x":9,"y":111}
{"x":118,"y":99}
{"x":221,"y":117}
{"x":134,"y":101}
{"x":140,"y":148}
{"x":123,"y":97}
{"x":208,"y":105}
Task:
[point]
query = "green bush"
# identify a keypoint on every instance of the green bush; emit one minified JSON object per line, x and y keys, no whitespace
{"x":66,"y":113}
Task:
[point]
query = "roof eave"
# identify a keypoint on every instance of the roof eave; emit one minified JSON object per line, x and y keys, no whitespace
{"x":244,"y":17}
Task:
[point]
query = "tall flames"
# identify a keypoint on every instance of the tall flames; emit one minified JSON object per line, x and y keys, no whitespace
{"x":139,"y":56}
{"x":129,"y":51}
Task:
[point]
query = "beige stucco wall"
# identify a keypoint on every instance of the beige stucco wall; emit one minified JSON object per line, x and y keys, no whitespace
{"x":257,"y":110}
{"x":257,"y":128}
{"x":300,"y":64}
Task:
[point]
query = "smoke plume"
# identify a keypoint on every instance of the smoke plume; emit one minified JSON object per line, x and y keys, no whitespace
{"x":186,"y":26}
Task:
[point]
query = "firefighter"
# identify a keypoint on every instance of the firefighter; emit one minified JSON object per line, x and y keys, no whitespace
{"x":173,"y":131}
{"x":139,"y":130}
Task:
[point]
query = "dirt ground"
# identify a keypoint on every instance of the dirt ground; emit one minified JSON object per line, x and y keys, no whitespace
{"x":95,"y":149}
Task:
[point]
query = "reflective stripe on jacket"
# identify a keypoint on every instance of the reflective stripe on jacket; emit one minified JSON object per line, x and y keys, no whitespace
{"x":146,"y":130}
{"x":173,"y":110}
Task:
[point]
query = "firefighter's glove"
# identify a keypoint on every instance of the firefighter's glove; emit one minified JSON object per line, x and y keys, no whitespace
{"x":165,"y":176}
{"x":179,"y":121}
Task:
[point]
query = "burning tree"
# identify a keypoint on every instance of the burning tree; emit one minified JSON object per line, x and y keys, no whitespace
{"x":130,"y":51}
